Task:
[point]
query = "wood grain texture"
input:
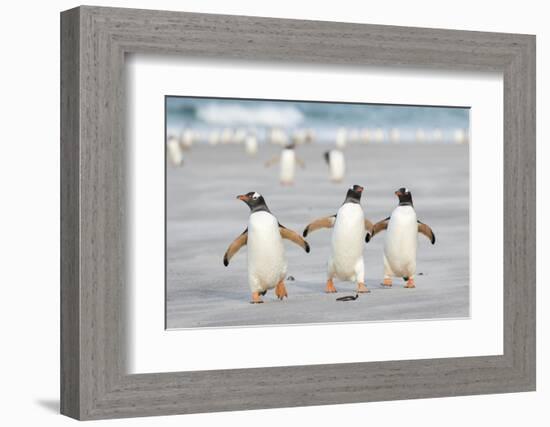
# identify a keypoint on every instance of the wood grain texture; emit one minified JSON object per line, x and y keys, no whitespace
{"x":94,"y":382}
{"x":70,"y":292}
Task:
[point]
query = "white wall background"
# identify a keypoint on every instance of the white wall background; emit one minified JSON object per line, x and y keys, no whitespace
{"x":29,"y":212}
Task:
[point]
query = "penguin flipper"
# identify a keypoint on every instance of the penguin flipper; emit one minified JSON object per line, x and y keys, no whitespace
{"x":293,"y":237}
{"x":368,"y":227}
{"x":234,"y":247}
{"x":379,"y":226}
{"x":426,"y":231}
{"x":326,"y":222}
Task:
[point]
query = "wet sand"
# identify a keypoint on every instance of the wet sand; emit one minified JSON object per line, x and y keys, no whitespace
{"x":203,"y":217}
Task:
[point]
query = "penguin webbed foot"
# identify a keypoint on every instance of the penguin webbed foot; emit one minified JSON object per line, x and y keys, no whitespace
{"x":280,"y":290}
{"x":387,"y":282}
{"x":330,"y":288}
{"x":410,"y":283}
{"x":362,"y":289}
{"x":256,"y":298}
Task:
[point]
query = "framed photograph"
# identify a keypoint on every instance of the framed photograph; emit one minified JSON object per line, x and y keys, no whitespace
{"x":301,"y":159}
{"x":261,"y":213}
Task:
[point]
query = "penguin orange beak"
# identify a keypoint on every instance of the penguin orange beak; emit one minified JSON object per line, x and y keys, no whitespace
{"x":358,"y":188}
{"x":398,"y":193}
{"x":243,"y":197}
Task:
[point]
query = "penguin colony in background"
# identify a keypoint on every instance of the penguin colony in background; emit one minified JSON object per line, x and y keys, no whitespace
{"x":289,"y":141}
{"x":267,"y":266}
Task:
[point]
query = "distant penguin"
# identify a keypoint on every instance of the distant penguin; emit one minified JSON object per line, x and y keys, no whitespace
{"x":186,"y":139}
{"x":341,"y":138}
{"x":277,"y":136}
{"x":350,"y":228}
{"x":214,"y":137}
{"x":420,"y":135}
{"x":266,"y":256}
{"x":402,"y":240}
{"x":336,"y":165}
{"x":288,"y":161}
{"x":239,"y":136}
{"x":365,"y":136}
{"x":379,"y":135}
{"x":395,"y":135}
{"x":174,"y":151}
{"x":299,"y":136}
{"x":288,"y":165}
{"x":460,"y":136}
{"x":251,"y":145}
{"x":226,"y":136}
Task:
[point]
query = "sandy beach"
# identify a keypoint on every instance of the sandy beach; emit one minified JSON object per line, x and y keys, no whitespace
{"x":203,"y":217}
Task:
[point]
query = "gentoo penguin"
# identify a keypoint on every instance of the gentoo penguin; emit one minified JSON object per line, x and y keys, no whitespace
{"x":266,"y":256}
{"x":336,"y":164}
{"x":174,"y":151}
{"x":186,"y":139}
{"x":288,"y":160}
{"x":214,"y":137}
{"x":277,"y":136}
{"x":239,"y":136}
{"x":341,"y":138}
{"x":251,"y":145}
{"x":226,"y":136}
{"x":401,"y":239}
{"x":350,"y":227}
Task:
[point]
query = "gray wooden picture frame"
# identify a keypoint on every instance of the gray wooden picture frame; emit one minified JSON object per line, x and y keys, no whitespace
{"x":94,"y":41}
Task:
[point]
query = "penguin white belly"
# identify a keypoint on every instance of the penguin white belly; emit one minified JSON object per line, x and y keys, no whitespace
{"x":266,"y":257}
{"x":288,"y":166}
{"x":401,"y":241}
{"x":337,"y":165}
{"x":347,"y":242}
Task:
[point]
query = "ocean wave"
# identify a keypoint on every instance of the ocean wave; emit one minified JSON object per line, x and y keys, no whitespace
{"x":227,"y":115}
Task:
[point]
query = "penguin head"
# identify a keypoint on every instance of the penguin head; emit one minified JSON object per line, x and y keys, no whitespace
{"x":326,"y":155}
{"x":354,"y":194}
{"x":255,"y":201}
{"x":404,"y":195}
{"x":290,"y":146}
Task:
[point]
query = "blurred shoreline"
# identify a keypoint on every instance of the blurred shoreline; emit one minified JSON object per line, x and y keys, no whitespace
{"x":229,"y":121}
